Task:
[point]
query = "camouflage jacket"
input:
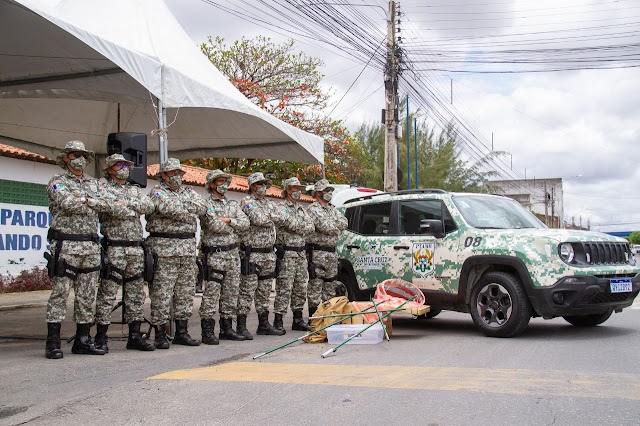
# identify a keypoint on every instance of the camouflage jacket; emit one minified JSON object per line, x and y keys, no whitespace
{"x":329,"y":224}
{"x":216,"y":232}
{"x":296,"y":226}
{"x":123,"y":222}
{"x":263,"y":216}
{"x":175,"y":212}
{"x":70,"y":215}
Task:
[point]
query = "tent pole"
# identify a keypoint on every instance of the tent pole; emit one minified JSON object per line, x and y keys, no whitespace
{"x":163,"y":151}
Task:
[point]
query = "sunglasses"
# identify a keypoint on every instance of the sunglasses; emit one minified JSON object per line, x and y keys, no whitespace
{"x":78,"y":154}
{"x":122,"y":165}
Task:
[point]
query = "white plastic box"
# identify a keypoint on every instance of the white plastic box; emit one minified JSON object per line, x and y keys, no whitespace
{"x":338,"y":333}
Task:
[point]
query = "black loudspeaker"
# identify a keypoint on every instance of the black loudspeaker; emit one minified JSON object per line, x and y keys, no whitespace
{"x":133,"y":147}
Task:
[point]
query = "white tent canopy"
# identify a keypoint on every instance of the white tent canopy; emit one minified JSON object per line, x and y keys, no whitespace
{"x":81,"y":69}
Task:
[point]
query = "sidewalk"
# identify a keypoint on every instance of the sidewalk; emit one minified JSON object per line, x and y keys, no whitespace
{"x":25,"y":299}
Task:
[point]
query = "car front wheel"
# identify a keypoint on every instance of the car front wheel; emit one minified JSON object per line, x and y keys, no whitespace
{"x":499,"y":305}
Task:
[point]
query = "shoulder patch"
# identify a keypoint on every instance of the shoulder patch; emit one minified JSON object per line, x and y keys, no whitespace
{"x":57,"y":184}
{"x":158,"y":193}
{"x":249,"y":205}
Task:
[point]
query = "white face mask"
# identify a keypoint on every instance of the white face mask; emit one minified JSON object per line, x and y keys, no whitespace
{"x":78,"y":163}
{"x":327,"y":196}
{"x":261,"y":190}
{"x":123,"y":173}
{"x":296,"y":195}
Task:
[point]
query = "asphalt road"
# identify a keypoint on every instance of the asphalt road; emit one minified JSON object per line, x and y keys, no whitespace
{"x":432,"y":372}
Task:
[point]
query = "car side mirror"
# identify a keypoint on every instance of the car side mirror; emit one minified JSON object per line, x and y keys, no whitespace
{"x":432,"y":227}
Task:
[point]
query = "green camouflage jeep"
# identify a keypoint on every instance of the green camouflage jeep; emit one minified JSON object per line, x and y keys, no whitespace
{"x":487,"y":255}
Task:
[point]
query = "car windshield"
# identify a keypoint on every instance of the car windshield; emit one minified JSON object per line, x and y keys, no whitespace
{"x":495,"y":213}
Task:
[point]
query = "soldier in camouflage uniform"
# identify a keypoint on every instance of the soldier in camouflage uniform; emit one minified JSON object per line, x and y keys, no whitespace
{"x":291,"y":283}
{"x":74,"y":202}
{"x":122,"y":237}
{"x":219,"y":244}
{"x":172,"y":237}
{"x":329,"y":224}
{"x":258,"y":245}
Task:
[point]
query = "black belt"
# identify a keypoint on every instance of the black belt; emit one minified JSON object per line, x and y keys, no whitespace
{"x":179,"y":235}
{"x":218,"y":249}
{"x":52,"y":234}
{"x":261,"y":250}
{"x":289,"y":248}
{"x":322,"y":248}
{"x":123,"y":243}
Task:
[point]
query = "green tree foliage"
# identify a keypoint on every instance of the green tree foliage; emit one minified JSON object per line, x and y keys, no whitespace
{"x":439,"y":162}
{"x":634,"y":238}
{"x":287,"y":85}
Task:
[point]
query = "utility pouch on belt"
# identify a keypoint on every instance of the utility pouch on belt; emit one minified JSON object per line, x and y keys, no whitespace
{"x":246,"y":267}
{"x":150,"y":264}
{"x":311,"y":268}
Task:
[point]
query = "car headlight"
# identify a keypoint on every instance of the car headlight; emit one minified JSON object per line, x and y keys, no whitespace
{"x":565,"y":250}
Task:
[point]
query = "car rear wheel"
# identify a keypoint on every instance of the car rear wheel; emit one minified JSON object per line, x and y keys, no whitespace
{"x":499,"y":305}
{"x":588,"y":320}
{"x":348,"y":284}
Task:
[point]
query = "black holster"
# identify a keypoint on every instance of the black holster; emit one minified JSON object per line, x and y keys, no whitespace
{"x":246,"y":267}
{"x":105,"y":266}
{"x":201,"y":268}
{"x":311,"y":267}
{"x":150,"y":264}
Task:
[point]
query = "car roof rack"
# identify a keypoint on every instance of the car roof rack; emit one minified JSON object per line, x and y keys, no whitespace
{"x":403,"y":192}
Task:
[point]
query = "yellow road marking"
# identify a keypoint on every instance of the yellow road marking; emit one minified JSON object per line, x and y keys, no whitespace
{"x":501,"y":381}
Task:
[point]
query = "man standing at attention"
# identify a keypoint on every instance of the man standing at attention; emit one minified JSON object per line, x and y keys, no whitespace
{"x":219,"y":245}
{"x":122,"y":238}
{"x":291,"y":283}
{"x":329,"y":224}
{"x":74,"y":201}
{"x":172,"y":236}
{"x":259,"y":256}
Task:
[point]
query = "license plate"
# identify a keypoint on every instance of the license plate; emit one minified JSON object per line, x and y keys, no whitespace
{"x":620,"y":286}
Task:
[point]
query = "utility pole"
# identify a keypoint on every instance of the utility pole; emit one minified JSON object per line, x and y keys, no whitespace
{"x":391,"y":110}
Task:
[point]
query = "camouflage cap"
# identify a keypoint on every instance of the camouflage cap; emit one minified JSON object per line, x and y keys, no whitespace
{"x":321,"y":185}
{"x":113,"y":159}
{"x":213,"y":175}
{"x":257,"y":177}
{"x":169,"y":165}
{"x":293,"y":181}
{"x":73,"y":146}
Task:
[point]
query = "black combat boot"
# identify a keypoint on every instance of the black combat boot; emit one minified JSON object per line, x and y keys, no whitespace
{"x":161,"y":341}
{"x":208,"y":336}
{"x":312,"y":311}
{"x":182,"y":335}
{"x":242,"y":327}
{"x":264,"y":328}
{"x":82,"y":343}
{"x":277,"y":323}
{"x":101,"y":340}
{"x":298,"y":322}
{"x":52,"y":348}
{"x":228,"y":333}
{"x":136,"y":341}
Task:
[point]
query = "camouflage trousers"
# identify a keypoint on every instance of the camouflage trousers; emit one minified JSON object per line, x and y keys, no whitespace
{"x":251,"y":288}
{"x":134,"y":295}
{"x":291,"y":284}
{"x":319,"y":290}
{"x":226,"y":294}
{"x":84,"y":288}
{"x":175,"y":277}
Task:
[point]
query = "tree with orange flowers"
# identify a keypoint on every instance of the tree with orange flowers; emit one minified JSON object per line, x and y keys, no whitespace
{"x":287,"y":85}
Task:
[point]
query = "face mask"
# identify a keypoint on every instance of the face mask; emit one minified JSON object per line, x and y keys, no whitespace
{"x":296,"y":195}
{"x":223,"y":188}
{"x":78,"y":163}
{"x":261,"y":190}
{"x":175,"y":180}
{"x":327,"y":196}
{"x":122,"y":173}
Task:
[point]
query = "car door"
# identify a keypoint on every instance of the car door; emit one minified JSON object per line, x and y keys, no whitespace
{"x":430,"y":263}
